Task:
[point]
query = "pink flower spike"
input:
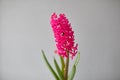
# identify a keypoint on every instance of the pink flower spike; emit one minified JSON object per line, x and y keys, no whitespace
{"x":64,"y":36}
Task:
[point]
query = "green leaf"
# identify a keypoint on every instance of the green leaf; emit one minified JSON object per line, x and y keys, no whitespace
{"x":58,"y":69}
{"x":62,"y":63}
{"x":72,"y":73}
{"x":49,"y":66}
{"x":77,"y":59}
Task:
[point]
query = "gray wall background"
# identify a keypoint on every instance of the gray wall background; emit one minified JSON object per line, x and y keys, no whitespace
{"x":25,"y":30}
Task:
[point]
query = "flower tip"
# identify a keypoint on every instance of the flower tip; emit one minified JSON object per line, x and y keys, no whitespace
{"x":54,"y":15}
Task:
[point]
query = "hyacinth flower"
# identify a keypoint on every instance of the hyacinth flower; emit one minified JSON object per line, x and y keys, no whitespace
{"x":66,"y":48}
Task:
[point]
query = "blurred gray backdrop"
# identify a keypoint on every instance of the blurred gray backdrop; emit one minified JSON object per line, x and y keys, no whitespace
{"x":25,"y":30}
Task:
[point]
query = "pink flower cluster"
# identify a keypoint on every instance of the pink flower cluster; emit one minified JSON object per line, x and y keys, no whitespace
{"x":63,"y":35}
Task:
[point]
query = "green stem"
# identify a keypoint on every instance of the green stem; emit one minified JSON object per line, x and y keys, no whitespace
{"x":66,"y":68}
